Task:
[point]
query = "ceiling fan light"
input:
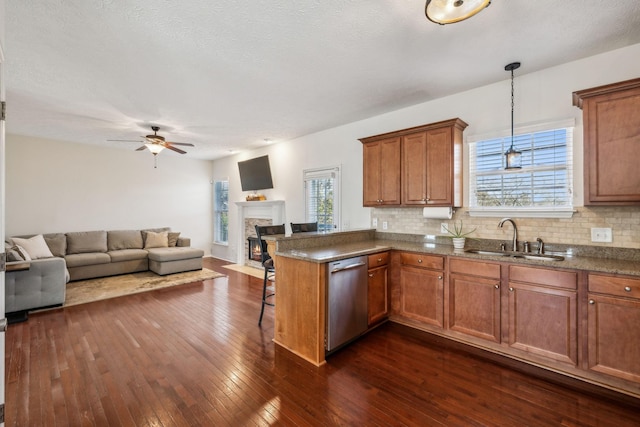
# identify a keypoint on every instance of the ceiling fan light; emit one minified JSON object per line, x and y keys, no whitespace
{"x":450,"y":11}
{"x":154,"y":148}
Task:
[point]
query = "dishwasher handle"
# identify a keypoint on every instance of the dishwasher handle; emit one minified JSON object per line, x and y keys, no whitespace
{"x":348,"y":267}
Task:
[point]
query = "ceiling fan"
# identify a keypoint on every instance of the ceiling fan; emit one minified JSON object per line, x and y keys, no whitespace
{"x":156,"y":143}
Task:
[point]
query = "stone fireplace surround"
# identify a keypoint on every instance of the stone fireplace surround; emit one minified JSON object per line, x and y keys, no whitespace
{"x":250,"y":214}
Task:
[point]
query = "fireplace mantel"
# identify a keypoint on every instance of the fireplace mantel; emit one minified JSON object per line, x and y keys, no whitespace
{"x":265,"y":209}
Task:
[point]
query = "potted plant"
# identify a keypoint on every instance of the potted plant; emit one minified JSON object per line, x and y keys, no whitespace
{"x":458,"y":235}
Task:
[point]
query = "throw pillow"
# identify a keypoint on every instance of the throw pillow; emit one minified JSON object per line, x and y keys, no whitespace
{"x":17,"y":253}
{"x":173,"y":238}
{"x":57,"y":243}
{"x":156,"y":240}
{"x":36,"y":247}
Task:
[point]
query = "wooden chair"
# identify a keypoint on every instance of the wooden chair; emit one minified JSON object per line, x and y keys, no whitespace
{"x":267,"y":264}
{"x":304,"y":227}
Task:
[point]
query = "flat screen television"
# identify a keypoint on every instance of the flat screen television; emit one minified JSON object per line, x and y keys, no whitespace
{"x":255,"y":174}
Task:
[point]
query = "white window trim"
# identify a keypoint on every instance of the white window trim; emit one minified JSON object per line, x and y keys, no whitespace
{"x":529,"y":212}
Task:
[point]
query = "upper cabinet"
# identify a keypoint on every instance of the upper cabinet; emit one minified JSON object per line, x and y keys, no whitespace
{"x":611,"y":116}
{"x":426,"y":165}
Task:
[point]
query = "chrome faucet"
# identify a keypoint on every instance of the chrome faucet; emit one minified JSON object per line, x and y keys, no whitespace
{"x":515,"y":232}
{"x":540,"y":246}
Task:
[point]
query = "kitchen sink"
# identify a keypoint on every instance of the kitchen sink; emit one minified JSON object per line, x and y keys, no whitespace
{"x":531,"y":256}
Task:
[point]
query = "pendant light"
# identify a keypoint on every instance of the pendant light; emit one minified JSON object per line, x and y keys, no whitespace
{"x":513,"y":157}
{"x":449,"y":11}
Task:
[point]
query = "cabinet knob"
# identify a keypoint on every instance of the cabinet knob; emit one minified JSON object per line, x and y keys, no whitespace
{"x":591,"y":302}
{"x":419,"y":261}
{"x":379,"y":259}
{"x":510,"y":289}
{"x":496,"y":286}
{"x":439,"y":277}
{"x":627,"y":289}
{"x":371,"y":275}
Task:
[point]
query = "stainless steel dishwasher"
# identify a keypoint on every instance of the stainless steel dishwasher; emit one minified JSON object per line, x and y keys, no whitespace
{"x":346,"y":301}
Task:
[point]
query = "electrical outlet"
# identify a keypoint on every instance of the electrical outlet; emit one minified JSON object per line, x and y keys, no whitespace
{"x":603,"y":235}
{"x":443,"y":228}
{"x":384,"y":225}
{"x":375,"y":222}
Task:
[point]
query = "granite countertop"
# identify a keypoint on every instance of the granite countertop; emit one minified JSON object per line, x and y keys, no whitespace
{"x":340,"y":251}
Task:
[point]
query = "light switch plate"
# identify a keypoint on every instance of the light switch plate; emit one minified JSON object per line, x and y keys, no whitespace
{"x":602,"y":235}
{"x":384,"y":225}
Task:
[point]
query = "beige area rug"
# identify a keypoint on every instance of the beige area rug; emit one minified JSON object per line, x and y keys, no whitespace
{"x":251,"y":271}
{"x":84,"y":291}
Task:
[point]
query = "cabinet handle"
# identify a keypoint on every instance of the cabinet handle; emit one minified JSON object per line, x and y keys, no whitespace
{"x":510,"y":289}
{"x":371,"y":275}
{"x":627,"y":289}
{"x":591,"y":302}
{"x":496,"y":286}
{"x":379,"y":259}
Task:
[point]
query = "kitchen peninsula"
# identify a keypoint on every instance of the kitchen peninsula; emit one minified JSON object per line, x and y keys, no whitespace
{"x":579,"y":317}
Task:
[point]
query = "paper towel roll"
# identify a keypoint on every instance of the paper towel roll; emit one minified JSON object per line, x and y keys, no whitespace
{"x":437,"y":213}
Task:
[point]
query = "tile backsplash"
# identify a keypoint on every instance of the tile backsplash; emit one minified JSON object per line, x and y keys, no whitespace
{"x":623,"y":221}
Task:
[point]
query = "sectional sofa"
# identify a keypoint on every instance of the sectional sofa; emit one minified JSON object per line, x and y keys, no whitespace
{"x":57,"y":258}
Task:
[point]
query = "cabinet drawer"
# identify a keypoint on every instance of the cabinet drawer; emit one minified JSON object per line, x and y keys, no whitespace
{"x":376,"y":260}
{"x":474,"y":268}
{"x":424,"y":261}
{"x":544,"y":276}
{"x":620,"y":286}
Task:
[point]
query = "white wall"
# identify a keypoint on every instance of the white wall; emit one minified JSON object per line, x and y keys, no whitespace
{"x":540,"y":96}
{"x":55,"y":186}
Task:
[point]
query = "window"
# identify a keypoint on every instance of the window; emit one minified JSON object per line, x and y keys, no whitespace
{"x":541,"y":188}
{"x":221,"y":212}
{"x":321,"y":197}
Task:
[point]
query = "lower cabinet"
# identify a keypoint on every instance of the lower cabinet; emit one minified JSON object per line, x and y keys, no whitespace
{"x":543,"y":312}
{"x":613,"y":315}
{"x":422,"y":288}
{"x":377,"y":289}
{"x":474,"y":298}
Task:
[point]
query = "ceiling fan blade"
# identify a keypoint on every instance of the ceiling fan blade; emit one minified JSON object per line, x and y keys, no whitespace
{"x":177,"y":150}
{"x":141,"y":148}
{"x":181,"y":143}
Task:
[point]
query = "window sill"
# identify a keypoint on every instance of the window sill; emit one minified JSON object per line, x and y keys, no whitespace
{"x":521,"y":213}
{"x":221,"y":243}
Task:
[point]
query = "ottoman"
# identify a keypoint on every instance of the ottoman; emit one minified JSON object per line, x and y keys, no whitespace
{"x":177,"y":259}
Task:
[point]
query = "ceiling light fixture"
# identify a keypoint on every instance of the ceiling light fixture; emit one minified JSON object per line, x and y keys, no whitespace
{"x":513,"y":157}
{"x":450,"y":11}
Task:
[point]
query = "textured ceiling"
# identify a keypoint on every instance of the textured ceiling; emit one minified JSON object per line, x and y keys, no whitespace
{"x":227,"y":74}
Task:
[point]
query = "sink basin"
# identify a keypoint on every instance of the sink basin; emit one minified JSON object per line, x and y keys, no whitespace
{"x":537,"y":257}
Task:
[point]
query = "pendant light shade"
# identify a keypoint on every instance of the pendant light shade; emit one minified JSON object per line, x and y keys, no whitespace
{"x":154,"y":148}
{"x":449,"y":11}
{"x":513,"y":157}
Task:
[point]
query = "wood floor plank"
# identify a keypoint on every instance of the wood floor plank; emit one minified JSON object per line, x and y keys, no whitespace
{"x":193,"y":355}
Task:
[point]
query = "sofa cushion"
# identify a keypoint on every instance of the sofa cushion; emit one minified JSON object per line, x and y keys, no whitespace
{"x":80,"y":242}
{"x":57,"y":243}
{"x":174,"y":254}
{"x":36,"y":247}
{"x":127,"y":255}
{"x":89,"y":258}
{"x":124,"y":239}
{"x":156,"y":240}
{"x":173,"y":238}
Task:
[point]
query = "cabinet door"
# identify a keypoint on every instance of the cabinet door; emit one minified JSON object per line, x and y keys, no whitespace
{"x":439,"y":167}
{"x":421,"y":295}
{"x":614,"y":336}
{"x":381,"y":172}
{"x":612,"y":148}
{"x":378,"y":307}
{"x":474,"y":306}
{"x":414,"y":161}
{"x":543,"y":321}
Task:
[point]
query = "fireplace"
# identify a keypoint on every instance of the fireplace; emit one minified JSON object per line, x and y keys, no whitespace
{"x":254,"y":252}
{"x":250,"y":214}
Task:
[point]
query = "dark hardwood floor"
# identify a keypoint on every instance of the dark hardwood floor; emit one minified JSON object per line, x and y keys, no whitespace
{"x":193,"y":355}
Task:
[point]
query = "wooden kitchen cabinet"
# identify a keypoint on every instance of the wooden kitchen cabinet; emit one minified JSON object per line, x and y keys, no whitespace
{"x":613,"y":320}
{"x":474,"y":298}
{"x":415,"y":166}
{"x":381,"y":172}
{"x":543,"y":317}
{"x":429,"y":173}
{"x":378,"y":291}
{"x":422,"y":288}
{"x":611,"y":143}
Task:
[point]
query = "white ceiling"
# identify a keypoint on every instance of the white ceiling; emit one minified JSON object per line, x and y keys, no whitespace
{"x":228,"y":74}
